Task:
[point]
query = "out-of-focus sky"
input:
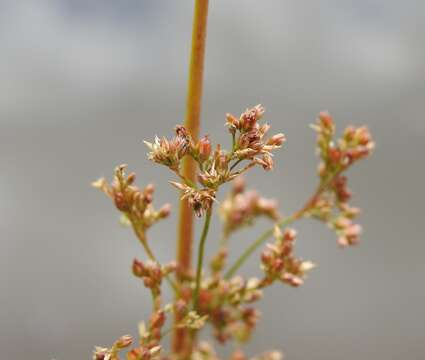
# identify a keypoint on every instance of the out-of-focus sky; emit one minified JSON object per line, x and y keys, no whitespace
{"x":82,"y":83}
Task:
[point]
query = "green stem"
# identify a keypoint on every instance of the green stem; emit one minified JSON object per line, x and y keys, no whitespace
{"x":254,"y":246}
{"x":153,"y":258}
{"x":142,"y":238}
{"x":201,"y":251}
{"x":286,"y":221}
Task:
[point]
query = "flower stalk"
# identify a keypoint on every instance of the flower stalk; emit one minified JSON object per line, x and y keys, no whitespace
{"x":181,"y":338}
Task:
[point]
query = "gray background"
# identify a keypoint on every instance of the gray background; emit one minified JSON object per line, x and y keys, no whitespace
{"x":83,"y":82}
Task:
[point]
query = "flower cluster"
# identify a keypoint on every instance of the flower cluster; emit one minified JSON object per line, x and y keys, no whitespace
{"x":248,"y":135}
{"x":101,"y":353}
{"x":217,"y":166}
{"x":199,"y":200}
{"x":280,"y":263}
{"x":152,"y":274}
{"x":337,"y":156}
{"x":241,"y":208}
{"x":134,"y":203}
{"x":151,"y":334}
{"x":226,"y":303}
{"x":222,"y":298}
{"x":170,"y":152}
{"x":330,"y":204}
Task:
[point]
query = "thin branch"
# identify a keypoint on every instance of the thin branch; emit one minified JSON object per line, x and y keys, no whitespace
{"x":201,"y":251}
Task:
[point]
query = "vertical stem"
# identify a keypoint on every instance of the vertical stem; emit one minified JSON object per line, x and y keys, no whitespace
{"x":201,"y":251}
{"x":181,"y":340}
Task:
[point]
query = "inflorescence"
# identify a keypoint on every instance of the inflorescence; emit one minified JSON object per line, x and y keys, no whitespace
{"x":220,"y":297}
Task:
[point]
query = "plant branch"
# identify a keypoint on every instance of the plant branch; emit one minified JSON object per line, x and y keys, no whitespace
{"x":142,"y":238}
{"x":254,"y":246}
{"x":286,"y":221}
{"x":201,"y":251}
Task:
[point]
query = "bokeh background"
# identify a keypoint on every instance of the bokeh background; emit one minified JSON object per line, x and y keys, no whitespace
{"x":82,"y":83}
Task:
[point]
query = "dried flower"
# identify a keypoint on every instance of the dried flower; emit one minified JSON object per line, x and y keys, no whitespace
{"x":199,"y":200}
{"x":170,"y":152}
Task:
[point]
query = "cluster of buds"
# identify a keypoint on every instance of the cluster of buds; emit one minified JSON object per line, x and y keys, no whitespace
{"x":331,"y":204}
{"x":241,"y":208}
{"x":134,"y":203}
{"x":225,"y":303}
{"x":152,"y":273}
{"x":355,"y":144}
{"x":219,"y":166}
{"x":101,"y":353}
{"x":280,"y":263}
{"x":170,"y":152}
{"x":249,"y":137}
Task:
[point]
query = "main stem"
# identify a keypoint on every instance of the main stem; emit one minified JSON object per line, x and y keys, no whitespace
{"x":182,"y":343}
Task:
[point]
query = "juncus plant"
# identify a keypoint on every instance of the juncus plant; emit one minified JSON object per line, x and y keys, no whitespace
{"x":215,"y":293}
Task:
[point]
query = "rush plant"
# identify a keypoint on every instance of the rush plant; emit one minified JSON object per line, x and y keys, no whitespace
{"x":217,"y":295}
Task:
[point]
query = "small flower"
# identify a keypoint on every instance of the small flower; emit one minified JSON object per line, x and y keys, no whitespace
{"x":134,"y":203}
{"x":193,"y":321}
{"x":200,"y":200}
{"x":123,"y":342}
{"x":101,"y":353}
{"x":249,"y":118}
{"x":204,"y":148}
{"x":170,"y":152}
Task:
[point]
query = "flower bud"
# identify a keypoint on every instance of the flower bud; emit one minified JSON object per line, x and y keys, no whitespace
{"x":138,"y":268}
{"x":124,"y":341}
{"x":131,"y":178}
{"x":100,"y":353}
{"x":164,"y":211}
{"x":120,"y":202}
{"x":232,"y":122}
{"x":326,"y":121}
{"x":204,"y":148}
{"x":289,"y":234}
{"x":277,"y":140}
{"x":157,"y":319}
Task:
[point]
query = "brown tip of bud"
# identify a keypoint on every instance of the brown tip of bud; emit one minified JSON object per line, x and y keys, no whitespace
{"x":204,"y":147}
{"x":289,"y":234}
{"x":131,"y":178}
{"x":326,"y":119}
{"x":181,"y":131}
{"x":138,"y":268}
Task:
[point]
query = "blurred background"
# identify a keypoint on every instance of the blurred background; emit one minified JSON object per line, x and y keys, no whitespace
{"x":82,"y":83}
